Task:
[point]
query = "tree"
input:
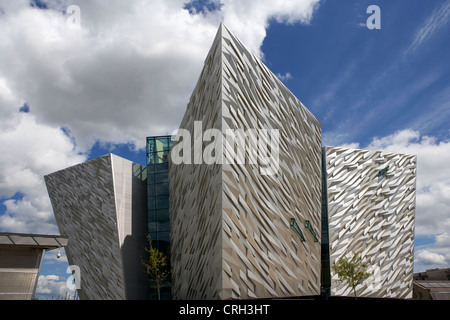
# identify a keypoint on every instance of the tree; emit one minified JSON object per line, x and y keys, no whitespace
{"x":352,"y":272}
{"x":157,"y":267}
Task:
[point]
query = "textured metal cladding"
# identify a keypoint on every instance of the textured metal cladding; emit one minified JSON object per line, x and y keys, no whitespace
{"x":83,"y":202}
{"x":92,"y":206}
{"x":267,"y":260}
{"x":240,"y":245}
{"x":195,"y":197}
{"x":371,"y":202}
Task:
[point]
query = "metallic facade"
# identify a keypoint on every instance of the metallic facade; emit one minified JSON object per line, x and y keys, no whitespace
{"x":20,"y":262}
{"x":101,"y":206}
{"x":235,"y":233}
{"x":371,"y":211}
{"x":254,"y":227}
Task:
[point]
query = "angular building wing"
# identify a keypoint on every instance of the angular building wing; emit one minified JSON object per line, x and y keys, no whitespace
{"x":101,"y":206}
{"x":370,"y":197}
{"x":245,"y":220}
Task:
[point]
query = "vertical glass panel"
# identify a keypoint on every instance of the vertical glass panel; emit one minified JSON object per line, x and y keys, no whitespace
{"x":151,"y":179}
{"x":163,"y":226}
{"x":151,"y":190}
{"x":153,"y":237}
{"x":162,"y":214}
{"x":161,"y":157}
{"x":151,"y":203}
{"x":151,"y":215}
{"x":311,"y":230}
{"x":164,"y":237}
{"x":162,"y":143}
{"x":158,"y":157}
{"x":152,"y":227}
{"x":162,"y":202}
{"x":162,"y":189}
{"x":150,"y":145}
{"x":297,"y":230}
{"x":161,"y":178}
{"x":163,"y":167}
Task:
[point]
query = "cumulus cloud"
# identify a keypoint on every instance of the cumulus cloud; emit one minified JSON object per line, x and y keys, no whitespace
{"x":54,"y":288}
{"x":30,"y":151}
{"x":125,"y":74}
{"x":129,"y":71}
{"x":284,"y":77}
{"x":435,"y":256}
{"x":430,"y":259}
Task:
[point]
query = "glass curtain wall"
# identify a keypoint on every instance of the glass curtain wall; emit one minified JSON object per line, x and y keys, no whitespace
{"x":158,"y":199}
{"x":325,"y":245}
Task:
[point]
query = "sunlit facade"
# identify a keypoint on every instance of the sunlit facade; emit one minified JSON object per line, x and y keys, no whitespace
{"x":230,"y":231}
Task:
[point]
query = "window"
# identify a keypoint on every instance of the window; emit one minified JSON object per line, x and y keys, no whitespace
{"x":151,"y":203}
{"x":161,"y":178}
{"x":311,"y":230}
{"x":162,"y":214}
{"x":161,"y":167}
{"x":296,"y":228}
{"x":162,"y":189}
{"x":383,"y":172}
{"x":162,"y":202}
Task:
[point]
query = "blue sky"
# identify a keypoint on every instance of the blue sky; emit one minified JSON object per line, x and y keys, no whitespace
{"x":68,"y":95}
{"x":362,"y":83}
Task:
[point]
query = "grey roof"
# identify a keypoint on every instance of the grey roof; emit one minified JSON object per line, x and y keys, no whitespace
{"x":44,"y":241}
{"x":433,"y":284}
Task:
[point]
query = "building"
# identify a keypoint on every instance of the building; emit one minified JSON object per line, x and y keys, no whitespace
{"x":158,"y":149}
{"x":369,"y":208}
{"x":433,"y":284}
{"x":433,"y":274}
{"x":248,"y":226}
{"x":20,"y":262}
{"x":243,"y":200}
{"x":101,"y":205}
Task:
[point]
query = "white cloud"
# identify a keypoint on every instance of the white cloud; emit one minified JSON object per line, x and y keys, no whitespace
{"x":430,"y":259}
{"x":435,"y":256}
{"x":30,"y":151}
{"x":126,"y":74}
{"x":443,"y":240}
{"x":437,"y":19}
{"x":249,"y":19}
{"x":54,"y":287}
{"x":129,"y":71}
{"x":284,"y":77}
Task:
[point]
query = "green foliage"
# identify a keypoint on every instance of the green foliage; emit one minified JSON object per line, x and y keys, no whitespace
{"x":157,"y":267}
{"x":352,"y":272}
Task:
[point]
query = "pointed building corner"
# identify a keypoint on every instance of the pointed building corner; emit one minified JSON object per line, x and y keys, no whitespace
{"x":237,"y":92}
